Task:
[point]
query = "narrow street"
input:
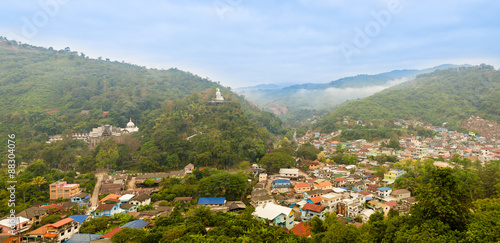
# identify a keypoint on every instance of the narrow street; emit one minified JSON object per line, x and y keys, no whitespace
{"x":95,"y":195}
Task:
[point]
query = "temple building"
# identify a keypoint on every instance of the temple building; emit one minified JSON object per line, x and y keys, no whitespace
{"x":99,"y":134}
{"x":131,"y":127}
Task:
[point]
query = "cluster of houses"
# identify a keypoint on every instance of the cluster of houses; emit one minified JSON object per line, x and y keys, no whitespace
{"x":291,"y":197}
{"x":444,"y":144}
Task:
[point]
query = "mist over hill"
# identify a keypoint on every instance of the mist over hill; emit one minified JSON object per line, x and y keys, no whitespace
{"x":326,"y":96}
{"x":443,"y":96}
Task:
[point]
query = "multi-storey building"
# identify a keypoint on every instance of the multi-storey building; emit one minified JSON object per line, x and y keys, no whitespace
{"x":62,"y":189}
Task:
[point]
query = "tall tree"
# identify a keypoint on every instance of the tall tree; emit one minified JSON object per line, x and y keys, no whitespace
{"x":442,"y":199}
{"x":39,"y":181}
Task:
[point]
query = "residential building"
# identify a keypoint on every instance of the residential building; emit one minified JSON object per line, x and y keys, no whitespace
{"x":324,"y":185}
{"x":262,"y":177}
{"x":126,"y":198}
{"x":393,"y":174}
{"x":62,"y":189}
{"x":401,"y":194}
{"x":140,"y":200}
{"x":212,"y":201}
{"x":278,"y":215}
{"x":188,"y":169}
{"x":81,"y":198}
{"x":107,"y":210}
{"x":21,"y":225}
{"x":384,"y":191}
{"x":79,"y":219}
{"x":125,"y":208}
{"x":302,"y":187}
{"x":261,"y":200}
{"x":289,"y":173}
{"x":61,"y":230}
{"x":310,"y":210}
{"x":331,"y":200}
{"x":313,"y":193}
{"x":34,"y":214}
{"x":281,"y":183}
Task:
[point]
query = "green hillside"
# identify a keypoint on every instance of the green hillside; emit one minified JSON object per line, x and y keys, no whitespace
{"x":45,"y":92}
{"x":441,"y":96}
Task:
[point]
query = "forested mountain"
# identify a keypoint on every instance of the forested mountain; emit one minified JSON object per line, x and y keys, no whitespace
{"x":441,"y":96}
{"x":292,"y":101}
{"x":45,"y":92}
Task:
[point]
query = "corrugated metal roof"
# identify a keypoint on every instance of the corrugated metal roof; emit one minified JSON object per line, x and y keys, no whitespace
{"x":211,"y":200}
{"x":83,"y":238}
{"x":79,"y":218}
{"x":136,"y":224}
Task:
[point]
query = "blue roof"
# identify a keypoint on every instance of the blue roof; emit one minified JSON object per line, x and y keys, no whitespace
{"x":368,"y":198}
{"x":345,"y":188}
{"x":384,"y":189}
{"x":79,"y":218}
{"x":281,"y":180}
{"x":136,"y":224}
{"x":211,"y":200}
{"x":83,"y":238}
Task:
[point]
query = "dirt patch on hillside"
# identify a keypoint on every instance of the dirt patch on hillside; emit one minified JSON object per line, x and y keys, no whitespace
{"x":486,"y":128}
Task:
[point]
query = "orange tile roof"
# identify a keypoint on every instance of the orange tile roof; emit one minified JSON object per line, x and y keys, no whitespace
{"x":110,"y":196}
{"x":60,"y":223}
{"x":341,"y":179}
{"x":323,"y":184}
{"x":50,"y":235}
{"x":316,"y":199}
{"x":40,"y":231}
{"x":302,"y":184}
{"x":302,"y":229}
{"x":111,"y":233}
{"x":313,"y":207}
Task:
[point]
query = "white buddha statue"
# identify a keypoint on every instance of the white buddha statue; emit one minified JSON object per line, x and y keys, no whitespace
{"x":218,"y":96}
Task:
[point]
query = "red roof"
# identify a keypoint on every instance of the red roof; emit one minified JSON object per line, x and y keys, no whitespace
{"x":52,"y":206}
{"x":111,"y":233}
{"x":316,"y":199}
{"x":60,"y":223}
{"x":313,"y":207}
{"x":365,"y":193}
{"x":341,"y":179}
{"x":391,"y":203}
{"x":302,"y":229}
{"x":302,"y":184}
{"x":103,"y":207}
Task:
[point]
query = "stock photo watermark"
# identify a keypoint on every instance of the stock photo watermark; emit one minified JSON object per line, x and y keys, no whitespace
{"x":223,"y":7}
{"x":363,"y":36}
{"x":11,"y":183}
{"x":33,"y":24}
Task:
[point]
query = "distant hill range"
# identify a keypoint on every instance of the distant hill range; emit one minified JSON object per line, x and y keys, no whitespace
{"x":282,"y":99}
{"x":45,"y":92}
{"x":443,"y":97}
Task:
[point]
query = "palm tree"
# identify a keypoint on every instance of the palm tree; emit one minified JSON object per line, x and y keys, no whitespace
{"x":39,"y":181}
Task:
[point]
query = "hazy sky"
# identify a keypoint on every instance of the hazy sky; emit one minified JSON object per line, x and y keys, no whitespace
{"x":249,"y":42}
